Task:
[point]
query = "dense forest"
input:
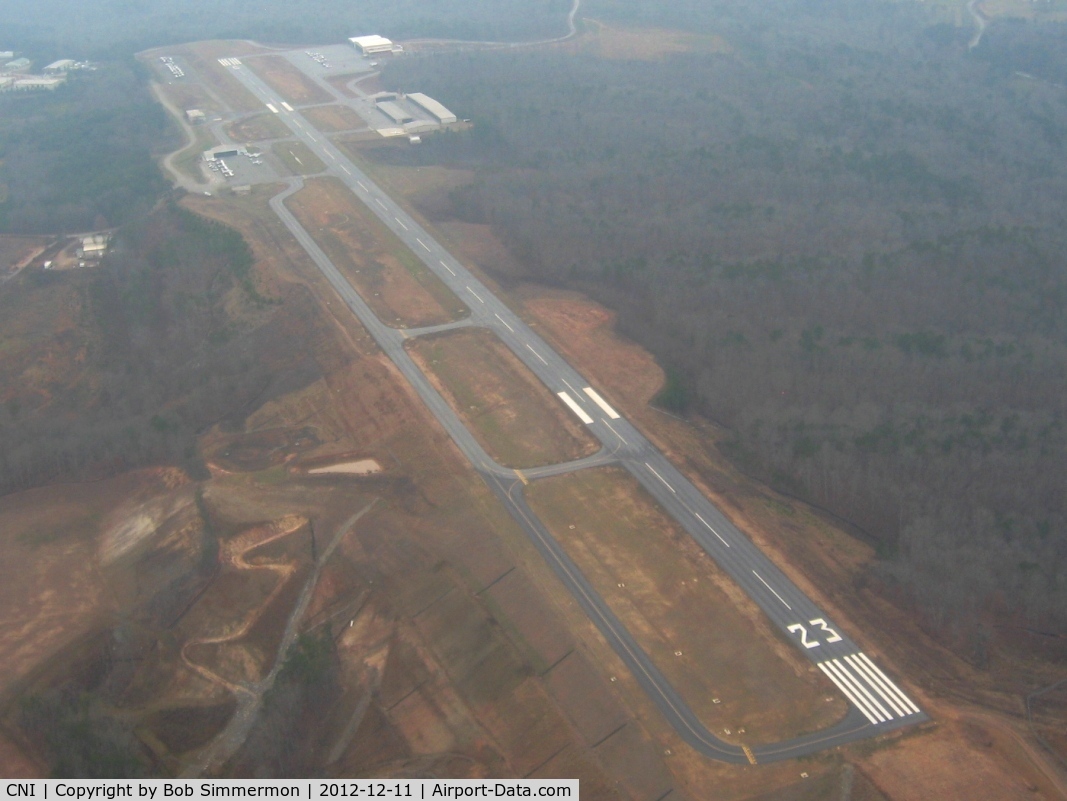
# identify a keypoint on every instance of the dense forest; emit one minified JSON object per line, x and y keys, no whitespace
{"x":80,"y":158}
{"x":175,"y":337}
{"x":99,"y":28}
{"x":845,"y":240}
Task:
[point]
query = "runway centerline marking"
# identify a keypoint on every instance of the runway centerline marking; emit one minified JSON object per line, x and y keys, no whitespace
{"x":379,"y":202}
{"x":475,"y":294}
{"x":401,"y":223}
{"x":769,"y":587}
{"x":574,"y":407}
{"x":713,"y":531}
{"x":501,"y":319}
{"x":423,"y":244}
{"x":616,"y":433}
{"x":535,"y":353}
{"x":661,"y":478}
{"x":450,"y":270}
{"x":343,"y":167}
{"x":361,"y":186}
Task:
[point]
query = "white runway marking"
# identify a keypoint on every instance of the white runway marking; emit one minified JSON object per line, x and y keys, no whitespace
{"x":603,"y":404}
{"x":475,"y":294}
{"x":348,"y":171}
{"x":769,"y":587}
{"x":848,"y":693}
{"x":661,"y":478}
{"x":286,"y":106}
{"x":312,"y":138}
{"x":361,"y":186}
{"x":501,"y":319}
{"x":616,"y":433}
{"x":401,"y":223}
{"x":713,"y":531}
{"x":535,"y":353}
{"x":885,"y":681}
{"x":379,"y":202}
{"x":448,"y":268}
{"x":572,"y":389}
{"x":575,"y":408}
{"x":423,"y":244}
{"x":330,"y":155}
{"x":272,"y":108}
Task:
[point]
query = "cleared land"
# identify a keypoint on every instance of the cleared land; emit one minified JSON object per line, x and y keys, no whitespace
{"x":298,"y":158}
{"x":674,"y":599}
{"x":383,"y":269}
{"x":334,"y":118}
{"x":516,"y":419}
{"x":287,"y":80}
{"x":258,"y":127}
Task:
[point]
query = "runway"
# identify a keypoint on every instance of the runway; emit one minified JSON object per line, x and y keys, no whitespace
{"x":877,"y":704}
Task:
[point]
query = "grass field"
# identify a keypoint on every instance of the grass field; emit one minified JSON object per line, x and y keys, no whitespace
{"x":389,"y":277}
{"x":515,"y":417}
{"x":293,"y":85}
{"x":261,"y":126}
{"x":334,"y":118}
{"x":702,"y":631}
{"x":298,"y":158}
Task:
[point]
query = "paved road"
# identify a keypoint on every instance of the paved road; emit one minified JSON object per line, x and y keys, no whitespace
{"x":877,"y":704}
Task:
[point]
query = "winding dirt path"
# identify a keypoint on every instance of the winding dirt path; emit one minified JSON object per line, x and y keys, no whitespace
{"x":250,"y":696}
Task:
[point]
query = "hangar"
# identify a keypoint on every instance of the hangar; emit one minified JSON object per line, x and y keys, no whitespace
{"x":439,"y":112}
{"x":369,"y":45}
{"x":394,"y":111}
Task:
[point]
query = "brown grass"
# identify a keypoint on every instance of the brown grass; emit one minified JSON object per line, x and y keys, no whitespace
{"x":515,"y":417}
{"x":334,"y":118}
{"x":261,"y":126}
{"x":393,"y":282}
{"x":673,"y":598}
{"x":286,"y":79}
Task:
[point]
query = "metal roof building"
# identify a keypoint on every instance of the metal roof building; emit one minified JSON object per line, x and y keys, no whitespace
{"x":394,"y":112}
{"x":372,"y":44}
{"x":62,"y":65}
{"x":18,"y":65}
{"x":33,"y":82}
{"x":442,"y":114}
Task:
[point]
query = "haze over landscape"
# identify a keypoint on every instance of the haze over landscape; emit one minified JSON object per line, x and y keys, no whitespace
{"x":665,"y":395}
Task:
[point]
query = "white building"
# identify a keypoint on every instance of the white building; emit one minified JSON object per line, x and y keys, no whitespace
{"x":34,"y":83}
{"x":62,"y":65}
{"x":94,"y":245}
{"x":368,"y":45}
{"x":438,"y":111}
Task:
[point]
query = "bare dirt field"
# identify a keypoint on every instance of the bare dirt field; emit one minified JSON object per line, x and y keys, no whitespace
{"x":257,"y":128}
{"x":399,"y":288}
{"x":516,"y":419}
{"x":334,"y":118}
{"x":744,"y":683}
{"x":287,"y":80}
{"x":16,"y":251}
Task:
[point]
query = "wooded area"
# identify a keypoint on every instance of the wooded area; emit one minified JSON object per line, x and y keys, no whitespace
{"x":80,"y":158}
{"x":845,"y":242}
{"x":173,"y":337}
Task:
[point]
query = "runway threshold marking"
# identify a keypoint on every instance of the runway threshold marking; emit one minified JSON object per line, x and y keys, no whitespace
{"x":535,"y":353}
{"x":599,"y":401}
{"x":449,"y":269}
{"x":501,"y":319}
{"x":884,"y":680}
{"x":574,"y":407}
{"x":713,"y":531}
{"x":423,"y":244}
{"x":661,"y":478}
{"x":856,"y":693}
{"x":274,"y":110}
{"x":769,"y":587}
{"x":475,"y":295}
{"x":286,"y":106}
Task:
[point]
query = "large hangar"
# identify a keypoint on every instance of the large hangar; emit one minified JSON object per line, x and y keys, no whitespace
{"x":427,"y":103}
{"x":369,"y":45}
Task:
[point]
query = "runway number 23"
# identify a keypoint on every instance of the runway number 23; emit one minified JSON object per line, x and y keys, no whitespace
{"x":798,"y":628}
